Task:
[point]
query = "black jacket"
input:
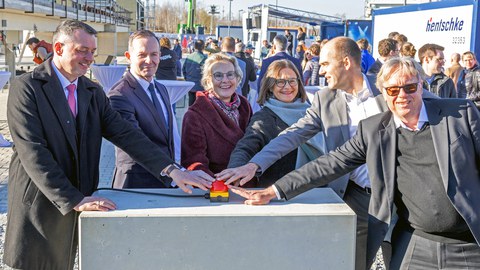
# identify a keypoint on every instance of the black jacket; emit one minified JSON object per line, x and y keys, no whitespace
{"x":167,"y":68}
{"x":441,"y":86}
{"x":249,"y":69}
{"x":264,"y":126}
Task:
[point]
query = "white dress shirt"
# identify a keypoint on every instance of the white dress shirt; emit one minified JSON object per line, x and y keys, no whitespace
{"x":359,"y":107}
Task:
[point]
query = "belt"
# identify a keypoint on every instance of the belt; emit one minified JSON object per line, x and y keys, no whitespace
{"x":364,"y":189}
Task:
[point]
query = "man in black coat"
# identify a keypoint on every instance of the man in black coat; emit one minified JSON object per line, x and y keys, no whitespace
{"x":57,"y":118}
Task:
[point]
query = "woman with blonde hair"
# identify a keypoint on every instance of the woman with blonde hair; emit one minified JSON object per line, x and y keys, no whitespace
{"x":216,"y":121}
{"x":284,"y":101}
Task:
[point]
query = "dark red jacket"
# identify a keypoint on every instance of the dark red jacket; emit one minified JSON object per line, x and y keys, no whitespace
{"x":209,"y":136}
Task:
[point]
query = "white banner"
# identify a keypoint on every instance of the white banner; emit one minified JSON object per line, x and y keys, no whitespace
{"x":450,"y":27}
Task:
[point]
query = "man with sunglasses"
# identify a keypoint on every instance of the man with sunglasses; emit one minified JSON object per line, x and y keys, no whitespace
{"x":335,"y":111}
{"x":423,"y":157}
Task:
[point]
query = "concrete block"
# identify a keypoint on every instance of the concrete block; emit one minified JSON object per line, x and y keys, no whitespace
{"x":315,"y":230}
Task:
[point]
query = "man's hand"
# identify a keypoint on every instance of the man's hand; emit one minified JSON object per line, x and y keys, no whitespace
{"x":243,"y":173}
{"x":95,"y":204}
{"x":255,"y":197}
{"x":198,"y":179}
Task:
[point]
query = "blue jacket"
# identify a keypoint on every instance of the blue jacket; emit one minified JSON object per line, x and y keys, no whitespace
{"x":367,"y":61}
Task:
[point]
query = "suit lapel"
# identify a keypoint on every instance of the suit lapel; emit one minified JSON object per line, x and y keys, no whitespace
{"x":55,"y":94}
{"x":439,"y":128}
{"x":83,"y":102}
{"x":340,"y":111}
{"x":388,"y":149}
{"x":140,"y":93}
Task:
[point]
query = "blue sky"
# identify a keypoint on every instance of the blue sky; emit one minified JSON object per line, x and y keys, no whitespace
{"x":352,"y":8}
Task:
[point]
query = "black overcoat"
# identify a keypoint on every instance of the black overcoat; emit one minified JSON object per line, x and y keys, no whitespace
{"x":55,"y":164}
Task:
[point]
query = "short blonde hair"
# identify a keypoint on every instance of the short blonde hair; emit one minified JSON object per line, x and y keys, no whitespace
{"x":403,"y":66}
{"x":272,"y":74}
{"x":207,"y":76}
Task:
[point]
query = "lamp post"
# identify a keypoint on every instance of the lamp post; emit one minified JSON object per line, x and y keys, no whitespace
{"x":229,"y":15}
{"x":213,"y":11}
{"x":276,"y":18}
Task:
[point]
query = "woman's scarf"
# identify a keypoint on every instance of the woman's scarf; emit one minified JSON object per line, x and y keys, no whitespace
{"x":230,"y":108}
{"x":290,"y":113}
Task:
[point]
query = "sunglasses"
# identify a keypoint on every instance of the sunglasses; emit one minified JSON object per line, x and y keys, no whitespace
{"x":408,"y":88}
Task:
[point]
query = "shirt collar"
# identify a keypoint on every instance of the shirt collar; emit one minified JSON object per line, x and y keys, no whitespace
{"x":362,"y":95}
{"x":143,"y":83}
{"x":422,"y":119}
{"x":63,"y":80}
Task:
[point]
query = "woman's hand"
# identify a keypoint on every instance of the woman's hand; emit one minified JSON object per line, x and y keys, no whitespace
{"x":243,"y":174}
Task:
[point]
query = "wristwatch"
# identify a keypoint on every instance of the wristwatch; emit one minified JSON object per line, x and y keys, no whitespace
{"x":169,"y":169}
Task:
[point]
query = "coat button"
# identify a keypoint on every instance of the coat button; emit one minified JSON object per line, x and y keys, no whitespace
{"x":342,"y":191}
{"x":68,"y":121}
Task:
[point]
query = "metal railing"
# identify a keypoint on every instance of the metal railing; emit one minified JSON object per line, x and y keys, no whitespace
{"x":101,"y":11}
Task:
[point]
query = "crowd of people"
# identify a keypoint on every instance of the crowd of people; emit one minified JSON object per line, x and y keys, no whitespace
{"x":393,"y":137}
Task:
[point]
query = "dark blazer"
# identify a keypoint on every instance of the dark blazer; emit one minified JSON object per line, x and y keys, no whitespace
{"x":55,"y":164}
{"x":267,"y":61}
{"x":209,"y":136}
{"x":374,"y":68}
{"x":455,"y":127}
{"x":130,"y":100}
{"x":264,"y":127}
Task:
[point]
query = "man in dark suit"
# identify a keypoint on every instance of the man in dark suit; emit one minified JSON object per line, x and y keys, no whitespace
{"x":132,"y":98}
{"x":423,"y":157}
{"x":57,"y":118}
{"x":280,"y":47}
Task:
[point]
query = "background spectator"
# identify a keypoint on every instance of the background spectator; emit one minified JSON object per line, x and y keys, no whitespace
{"x":41,"y":50}
{"x":167,"y":68}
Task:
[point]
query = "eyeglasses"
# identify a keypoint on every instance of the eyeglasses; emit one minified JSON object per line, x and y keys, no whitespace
{"x":219,"y":75}
{"x":282,"y":82}
{"x":408,"y":88}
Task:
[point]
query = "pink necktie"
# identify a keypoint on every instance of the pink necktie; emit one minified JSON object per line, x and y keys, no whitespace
{"x":71,"y":99}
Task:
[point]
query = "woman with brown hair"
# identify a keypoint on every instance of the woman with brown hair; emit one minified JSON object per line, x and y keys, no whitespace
{"x":284,"y":101}
{"x":408,"y":50}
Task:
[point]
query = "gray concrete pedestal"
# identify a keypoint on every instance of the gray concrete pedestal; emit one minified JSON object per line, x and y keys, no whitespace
{"x":315,"y":230}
